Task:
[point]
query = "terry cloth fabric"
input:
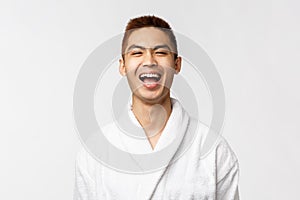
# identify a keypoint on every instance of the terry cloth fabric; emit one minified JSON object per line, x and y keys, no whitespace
{"x":213,"y":177}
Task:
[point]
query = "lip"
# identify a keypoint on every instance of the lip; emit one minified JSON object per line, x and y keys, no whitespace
{"x":151,"y":84}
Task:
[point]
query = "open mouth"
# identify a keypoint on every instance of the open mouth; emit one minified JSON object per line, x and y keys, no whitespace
{"x":149,"y":77}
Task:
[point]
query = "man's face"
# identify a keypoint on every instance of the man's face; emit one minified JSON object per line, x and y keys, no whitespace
{"x":149,"y":64}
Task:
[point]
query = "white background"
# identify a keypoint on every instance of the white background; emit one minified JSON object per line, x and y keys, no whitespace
{"x":254,"y":44}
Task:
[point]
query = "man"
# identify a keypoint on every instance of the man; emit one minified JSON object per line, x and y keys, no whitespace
{"x":149,"y":61}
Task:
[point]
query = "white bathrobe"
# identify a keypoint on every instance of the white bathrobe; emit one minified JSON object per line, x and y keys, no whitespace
{"x":214,"y":177}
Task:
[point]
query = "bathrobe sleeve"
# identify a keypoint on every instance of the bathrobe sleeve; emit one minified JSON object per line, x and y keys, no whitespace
{"x":85,"y":187}
{"x":227,"y":172}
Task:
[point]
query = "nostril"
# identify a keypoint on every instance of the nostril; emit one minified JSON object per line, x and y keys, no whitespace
{"x":150,"y":65}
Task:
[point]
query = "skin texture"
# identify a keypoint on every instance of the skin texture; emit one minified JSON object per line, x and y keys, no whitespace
{"x":149,"y":50}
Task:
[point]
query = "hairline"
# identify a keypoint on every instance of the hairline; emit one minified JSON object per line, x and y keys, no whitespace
{"x":164,"y":30}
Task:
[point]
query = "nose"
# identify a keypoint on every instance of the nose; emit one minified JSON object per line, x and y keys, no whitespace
{"x":149,"y":60}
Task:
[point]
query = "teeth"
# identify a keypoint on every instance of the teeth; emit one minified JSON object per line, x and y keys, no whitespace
{"x":154,"y":76}
{"x":150,"y":75}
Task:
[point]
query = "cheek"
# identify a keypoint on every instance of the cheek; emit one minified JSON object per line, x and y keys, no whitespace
{"x":169,"y":68}
{"x":131,"y":67}
{"x":133,"y":62}
{"x":169,"y":80}
{"x":166,"y":62}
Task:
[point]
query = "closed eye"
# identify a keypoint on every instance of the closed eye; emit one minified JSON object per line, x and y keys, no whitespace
{"x":136,"y":53}
{"x":161,"y":53}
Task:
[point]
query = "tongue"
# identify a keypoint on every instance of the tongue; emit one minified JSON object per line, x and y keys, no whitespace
{"x":150,"y":83}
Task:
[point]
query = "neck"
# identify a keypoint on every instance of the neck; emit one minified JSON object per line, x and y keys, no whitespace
{"x":152,"y":116}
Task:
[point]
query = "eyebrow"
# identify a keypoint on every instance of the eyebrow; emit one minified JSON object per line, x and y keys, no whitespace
{"x":155,"y":48}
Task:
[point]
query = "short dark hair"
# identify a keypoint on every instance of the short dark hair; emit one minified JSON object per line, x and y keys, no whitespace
{"x":149,"y":21}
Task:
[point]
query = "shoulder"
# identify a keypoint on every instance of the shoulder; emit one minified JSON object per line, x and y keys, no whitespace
{"x":86,"y":163}
{"x":215,"y":143}
{"x":216,"y":150}
{"x":224,"y":152}
{"x":226,"y":159}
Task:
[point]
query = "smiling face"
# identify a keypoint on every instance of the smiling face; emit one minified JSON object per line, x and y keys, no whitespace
{"x":149,"y":64}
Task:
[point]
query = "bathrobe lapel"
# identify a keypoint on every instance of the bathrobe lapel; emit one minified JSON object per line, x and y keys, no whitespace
{"x":176,"y":127}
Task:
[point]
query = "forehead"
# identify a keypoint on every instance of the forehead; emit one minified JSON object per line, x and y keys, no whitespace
{"x":148,"y":37}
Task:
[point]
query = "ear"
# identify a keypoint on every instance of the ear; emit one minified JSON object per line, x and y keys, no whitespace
{"x":122,"y":68}
{"x":178,"y":64}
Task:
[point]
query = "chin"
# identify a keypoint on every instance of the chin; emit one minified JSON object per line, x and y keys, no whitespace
{"x":151,"y":97}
